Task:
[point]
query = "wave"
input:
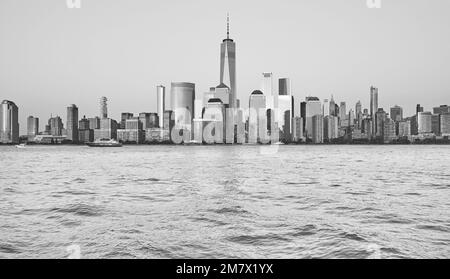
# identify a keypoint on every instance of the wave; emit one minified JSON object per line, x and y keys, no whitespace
{"x":150,"y":179}
{"x":208,"y":220}
{"x":79,"y":209}
{"x":303,"y":231}
{"x":434,"y":228}
{"x":352,"y":236}
{"x":267,"y":239}
{"x":230,"y":210}
{"x":8,"y":249}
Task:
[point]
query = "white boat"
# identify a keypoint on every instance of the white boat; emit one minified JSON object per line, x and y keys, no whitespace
{"x":22,"y":145}
{"x":193,"y":142}
{"x":105,"y":143}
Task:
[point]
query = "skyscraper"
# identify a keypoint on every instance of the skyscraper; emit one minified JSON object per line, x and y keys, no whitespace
{"x":419,"y":108}
{"x":161,"y":103}
{"x":32,"y":127}
{"x":441,"y":109}
{"x":56,"y":126}
{"x":284,"y":86}
{"x":303,"y":116}
{"x":297,"y":129}
{"x":389,"y":133}
{"x":257,"y":106}
{"x":424,"y":122}
{"x":317,"y":128}
{"x":169,"y":122}
{"x":285,"y":115}
{"x":359,"y":114}
{"x":404,"y":129}
{"x":83,"y":124}
{"x":343,"y":113}
{"x":182,"y":96}
{"x":374,"y":108}
{"x":94,"y":123}
{"x":380,"y":118}
{"x":267,"y":84}
{"x":72,"y":123}
{"x":445,"y":124}
{"x":313,"y":107}
{"x":351,"y":118}
{"x":85,"y":133}
{"x":228,"y":65}
{"x":267,"y":89}
{"x":285,"y":109}
{"x":9,"y":122}
{"x":107,"y":130}
{"x":397,"y":113}
{"x":326,"y":108}
{"x":103,"y":107}
{"x":436,"y":124}
{"x":330,"y":128}
{"x":332,"y":106}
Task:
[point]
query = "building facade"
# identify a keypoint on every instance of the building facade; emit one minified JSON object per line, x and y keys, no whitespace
{"x":257,"y":111}
{"x":56,"y":126}
{"x":182,"y":101}
{"x":32,"y":127}
{"x":445,"y":124}
{"x":103,"y":107}
{"x":424,"y":122}
{"x":108,"y":129}
{"x":9,"y":122}
{"x":313,"y":107}
{"x":396,"y":113}
{"x":404,"y":129}
{"x":72,"y":123}
{"x":161,"y":104}
{"x":317,"y":129}
{"x":374,"y":108}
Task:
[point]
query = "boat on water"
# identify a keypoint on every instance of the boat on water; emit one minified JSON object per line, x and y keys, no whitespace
{"x":22,"y":145}
{"x":104,"y":143}
{"x":279,"y":143}
{"x":193,"y":142}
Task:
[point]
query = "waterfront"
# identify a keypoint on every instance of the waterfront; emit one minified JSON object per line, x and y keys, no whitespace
{"x":225,"y":201}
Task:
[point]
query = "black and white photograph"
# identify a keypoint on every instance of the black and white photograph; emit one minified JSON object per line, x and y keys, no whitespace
{"x":241,"y":131}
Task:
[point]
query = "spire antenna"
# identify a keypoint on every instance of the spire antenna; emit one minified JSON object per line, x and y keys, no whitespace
{"x":228,"y":25}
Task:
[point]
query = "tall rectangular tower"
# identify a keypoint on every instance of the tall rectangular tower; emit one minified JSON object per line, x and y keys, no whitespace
{"x":32,"y":127}
{"x":72,"y":123}
{"x":374,"y":107}
{"x":161,"y":103}
{"x":9,"y":122}
{"x":228,"y":65}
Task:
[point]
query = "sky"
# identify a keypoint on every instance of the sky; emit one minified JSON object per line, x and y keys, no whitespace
{"x":52,"y":56}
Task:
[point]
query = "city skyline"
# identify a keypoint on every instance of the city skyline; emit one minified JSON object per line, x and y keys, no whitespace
{"x":143,"y":99}
{"x":217,"y":117}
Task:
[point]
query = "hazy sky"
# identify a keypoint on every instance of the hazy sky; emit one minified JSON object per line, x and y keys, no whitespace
{"x":52,"y":56}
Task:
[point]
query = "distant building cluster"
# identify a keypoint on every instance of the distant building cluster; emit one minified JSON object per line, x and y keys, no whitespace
{"x":218,"y":118}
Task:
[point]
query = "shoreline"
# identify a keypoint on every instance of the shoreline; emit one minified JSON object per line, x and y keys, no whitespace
{"x":242,"y":144}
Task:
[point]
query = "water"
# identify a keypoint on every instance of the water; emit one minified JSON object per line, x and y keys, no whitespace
{"x":225,"y":201}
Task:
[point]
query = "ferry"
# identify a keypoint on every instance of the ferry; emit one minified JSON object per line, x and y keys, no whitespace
{"x":104,"y":143}
{"x":193,"y":142}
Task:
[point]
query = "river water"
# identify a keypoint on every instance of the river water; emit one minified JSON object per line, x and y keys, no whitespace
{"x":225,"y":202}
